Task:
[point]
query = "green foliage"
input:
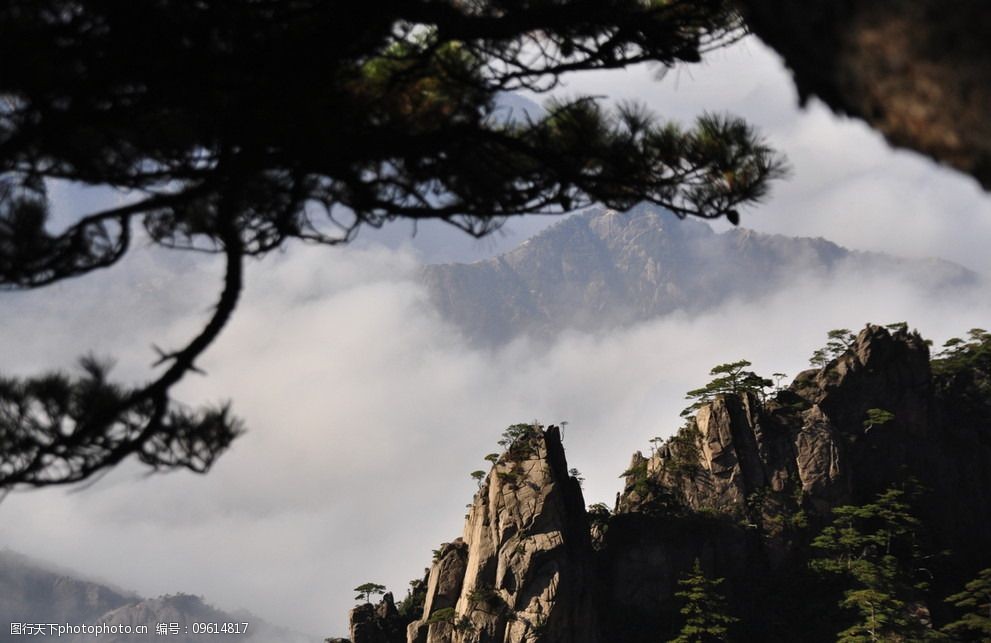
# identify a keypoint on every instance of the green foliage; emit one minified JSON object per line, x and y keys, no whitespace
{"x":839,"y":341}
{"x":679,"y":459}
{"x":776,"y":512}
{"x":875,"y":550}
{"x":411,"y":607}
{"x":636,"y":476}
{"x":521,"y":440}
{"x":972,"y":350}
{"x":652,"y":497}
{"x":492,"y":457}
{"x":684,"y":450}
{"x":463,"y":625}
{"x":704,"y":609}
{"x":367,"y":590}
{"x":975,"y":603}
{"x":655,"y":444}
{"x":799,"y":519}
{"x":510,"y":477}
{"x":755,"y":503}
{"x":877,"y":417}
{"x":487,"y":599}
{"x":448,"y":615}
{"x":445,"y":615}
{"x":962,"y":370}
{"x":599,"y":514}
{"x":730,"y":378}
{"x":478,"y":476}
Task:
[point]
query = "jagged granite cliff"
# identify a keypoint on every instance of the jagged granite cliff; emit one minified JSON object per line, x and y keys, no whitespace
{"x":601,"y":269}
{"x":528,"y":569}
{"x":742,"y":488}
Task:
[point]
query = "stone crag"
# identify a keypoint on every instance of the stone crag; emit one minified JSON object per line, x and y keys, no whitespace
{"x":919,"y":71}
{"x":524,"y":561}
{"x":741,"y":488}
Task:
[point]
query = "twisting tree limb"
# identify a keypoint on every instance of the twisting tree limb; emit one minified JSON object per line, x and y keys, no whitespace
{"x":241,"y":126}
{"x":57,"y":429}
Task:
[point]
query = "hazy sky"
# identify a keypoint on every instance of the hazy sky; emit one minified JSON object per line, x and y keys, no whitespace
{"x":367,"y":413}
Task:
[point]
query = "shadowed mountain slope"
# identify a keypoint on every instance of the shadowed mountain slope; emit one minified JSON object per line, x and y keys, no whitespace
{"x":33,"y":591}
{"x":601,"y":270}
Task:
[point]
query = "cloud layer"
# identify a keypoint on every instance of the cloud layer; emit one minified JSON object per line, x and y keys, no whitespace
{"x":367,"y":412}
{"x":847,"y":184}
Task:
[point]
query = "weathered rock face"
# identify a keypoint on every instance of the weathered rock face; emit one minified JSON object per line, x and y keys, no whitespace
{"x":528,"y":571}
{"x":812,"y":445}
{"x":779,"y":467}
{"x":742,"y":488}
{"x":377,"y":623}
{"x":444,"y":585}
{"x":919,"y":71}
{"x":446,"y":577}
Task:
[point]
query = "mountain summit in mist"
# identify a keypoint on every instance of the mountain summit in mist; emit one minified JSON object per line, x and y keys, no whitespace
{"x":34,"y":591}
{"x":601,"y":270}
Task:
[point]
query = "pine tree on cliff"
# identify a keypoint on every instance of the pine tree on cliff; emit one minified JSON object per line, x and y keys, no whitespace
{"x":367,"y":591}
{"x":975,"y":603}
{"x":240,"y":128}
{"x":728,"y":379}
{"x":704,"y":609}
{"x":839,"y":341}
{"x":875,"y":550}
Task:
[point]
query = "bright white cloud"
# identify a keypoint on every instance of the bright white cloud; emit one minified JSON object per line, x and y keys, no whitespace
{"x":847,"y":184}
{"x":367,"y":412}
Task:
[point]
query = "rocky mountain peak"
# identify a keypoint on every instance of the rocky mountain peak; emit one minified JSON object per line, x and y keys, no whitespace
{"x":600,"y":270}
{"x":813,"y":444}
{"x":527,"y":566}
{"x":742,"y":488}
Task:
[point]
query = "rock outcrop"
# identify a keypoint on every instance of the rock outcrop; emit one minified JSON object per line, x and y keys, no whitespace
{"x":377,"y":623}
{"x":742,"y":488}
{"x":813,"y":440}
{"x":523,"y":569}
{"x":918,"y":71}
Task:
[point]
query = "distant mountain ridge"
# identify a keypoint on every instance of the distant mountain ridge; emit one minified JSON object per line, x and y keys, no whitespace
{"x":601,"y":269}
{"x":33,"y":591}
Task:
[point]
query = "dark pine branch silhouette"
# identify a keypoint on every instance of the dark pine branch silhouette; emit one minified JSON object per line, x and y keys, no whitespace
{"x":237,"y":127}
